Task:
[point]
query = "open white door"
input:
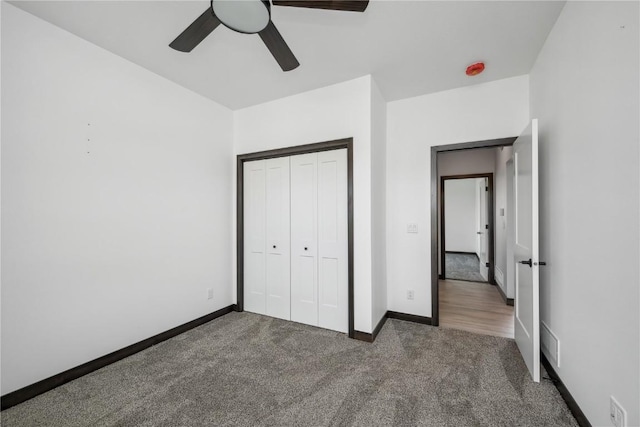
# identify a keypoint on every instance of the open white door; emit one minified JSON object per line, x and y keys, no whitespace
{"x":526,"y":254}
{"x":510,"y":273}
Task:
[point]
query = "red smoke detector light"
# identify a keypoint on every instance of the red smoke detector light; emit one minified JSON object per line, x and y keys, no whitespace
{"x":475,"y":69}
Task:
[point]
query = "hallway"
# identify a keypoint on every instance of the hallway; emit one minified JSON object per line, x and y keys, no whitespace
{"x":474,"y":307}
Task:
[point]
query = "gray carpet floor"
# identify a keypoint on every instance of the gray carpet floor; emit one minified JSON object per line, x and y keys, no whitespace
{"x":462,"y":267}
{"x":249,"y":370}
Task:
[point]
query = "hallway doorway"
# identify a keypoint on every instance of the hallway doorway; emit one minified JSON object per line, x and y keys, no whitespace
{"x":469,"y":302}
{"x":466,"y":227}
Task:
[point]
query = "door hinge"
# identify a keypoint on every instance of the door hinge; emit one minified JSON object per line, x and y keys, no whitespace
{"x":486,"y":227}
{"x":486,"y":264}
{"x":486,"y":188}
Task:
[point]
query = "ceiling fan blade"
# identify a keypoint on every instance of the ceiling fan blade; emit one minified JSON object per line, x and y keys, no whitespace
{"x":196,"y":32}
{"x":278,"y":47}
{"x":346,"y":5}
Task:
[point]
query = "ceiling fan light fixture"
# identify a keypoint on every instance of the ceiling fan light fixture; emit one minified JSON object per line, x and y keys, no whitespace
{"x":243,"y":16}
{"x":254,"y":16}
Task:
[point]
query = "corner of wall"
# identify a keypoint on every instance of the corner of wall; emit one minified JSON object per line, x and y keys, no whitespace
{"x":378,"y":107}
{"x":124,"y":195}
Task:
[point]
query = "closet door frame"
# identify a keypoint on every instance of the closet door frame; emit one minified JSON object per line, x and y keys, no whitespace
{"x":283,"y":152}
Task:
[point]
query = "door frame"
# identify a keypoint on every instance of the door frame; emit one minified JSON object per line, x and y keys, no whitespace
{"x":285,"y":152}
{"x":489,"y":143}
{"x":490,"y":220}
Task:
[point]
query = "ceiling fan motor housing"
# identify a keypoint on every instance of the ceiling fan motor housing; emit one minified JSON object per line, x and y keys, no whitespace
{"x":243,"y":16}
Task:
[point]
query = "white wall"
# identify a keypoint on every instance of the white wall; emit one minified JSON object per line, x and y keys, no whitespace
{"x":466,"y":162}
{"x":460,"y":213}
{"x":500,"y":186}
{"x":109,"y":241}
{"x":378,"y":204}
{"x":584,"y":91}
{"x":497,"y":109}
{"x":334,"y":112}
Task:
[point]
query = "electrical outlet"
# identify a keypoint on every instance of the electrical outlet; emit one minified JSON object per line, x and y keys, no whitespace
{"x":410,"y":294}
{"x":209,"y":293}
{"x":617,"y":414}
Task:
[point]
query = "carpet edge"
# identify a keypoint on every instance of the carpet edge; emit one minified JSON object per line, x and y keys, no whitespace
{"x":28,"y":392}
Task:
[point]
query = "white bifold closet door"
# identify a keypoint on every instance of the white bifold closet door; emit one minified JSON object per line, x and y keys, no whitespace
{"x":333,"y":266}
{"x":296,"y":238}
{"x":254,"y":193}
{"x":304,"y":238}
{"x":267,"y":240}
{"x":319,"y":258}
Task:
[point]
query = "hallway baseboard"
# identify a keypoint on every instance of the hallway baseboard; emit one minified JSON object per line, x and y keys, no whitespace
{"x":580,"y":417}
{"x":508,"y":301}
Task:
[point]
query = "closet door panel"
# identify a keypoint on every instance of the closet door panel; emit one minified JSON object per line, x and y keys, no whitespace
{"x":278,"y":238}
{"x":304,"y":235}
{"x":254,"y":236}
{"x":333,"y":240}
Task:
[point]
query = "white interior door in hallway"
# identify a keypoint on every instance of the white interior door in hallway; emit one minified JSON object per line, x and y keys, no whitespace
{"x":526,"y":257}
{"x":296,"y":238}
{"x":482,"y":207}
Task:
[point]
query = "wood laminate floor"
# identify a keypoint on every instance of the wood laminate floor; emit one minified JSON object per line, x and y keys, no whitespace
{"x":474,"y":307}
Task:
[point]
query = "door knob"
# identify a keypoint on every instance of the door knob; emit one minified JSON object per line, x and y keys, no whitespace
{"x":540,"y":263}
{"x":527,"y":262}
{"x":274,"y":246}
{"x":305,"y":248}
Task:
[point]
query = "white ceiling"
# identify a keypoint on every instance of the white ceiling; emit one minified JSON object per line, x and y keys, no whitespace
{"x":410,"y":47}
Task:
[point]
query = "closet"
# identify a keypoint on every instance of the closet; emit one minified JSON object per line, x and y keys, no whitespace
{"x":296,"y":238}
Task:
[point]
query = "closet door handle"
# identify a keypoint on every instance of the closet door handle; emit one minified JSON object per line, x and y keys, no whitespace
{"x":305,"y":248}
{"x":274,"y":246}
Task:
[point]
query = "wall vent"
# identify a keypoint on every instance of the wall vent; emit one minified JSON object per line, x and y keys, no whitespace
{"x":550,"y":344}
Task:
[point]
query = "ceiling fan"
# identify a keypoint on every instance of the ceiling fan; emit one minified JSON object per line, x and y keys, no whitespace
{"x":254,"y":16}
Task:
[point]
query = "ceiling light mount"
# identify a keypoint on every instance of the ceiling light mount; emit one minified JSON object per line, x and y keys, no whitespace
{"x":243,"y":16}
{"x":475,"y":69}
